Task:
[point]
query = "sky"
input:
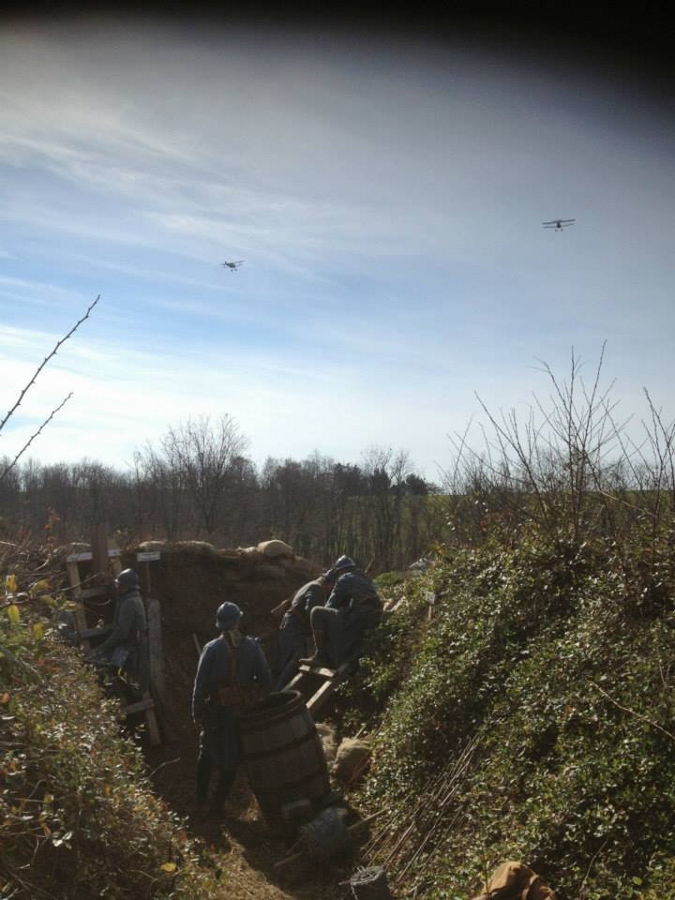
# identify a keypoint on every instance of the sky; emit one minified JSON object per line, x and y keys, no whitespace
{"x":386,"y":194}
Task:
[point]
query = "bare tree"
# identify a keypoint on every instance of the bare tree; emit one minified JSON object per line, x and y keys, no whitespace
{"x":559,"y":467}
{"x":387,"y":473}
{"x":204,"y":454}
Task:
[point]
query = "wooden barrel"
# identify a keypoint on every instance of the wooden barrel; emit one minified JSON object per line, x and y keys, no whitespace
{"x":282,"y":753}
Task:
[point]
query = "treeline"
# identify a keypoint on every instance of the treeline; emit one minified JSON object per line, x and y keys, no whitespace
{"x":197,"y":483}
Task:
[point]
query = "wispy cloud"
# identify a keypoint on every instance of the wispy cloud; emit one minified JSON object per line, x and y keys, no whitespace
{"x":387,"y":199}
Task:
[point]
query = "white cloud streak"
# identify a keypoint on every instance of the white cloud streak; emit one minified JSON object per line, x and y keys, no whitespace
{"x":387,"y":200}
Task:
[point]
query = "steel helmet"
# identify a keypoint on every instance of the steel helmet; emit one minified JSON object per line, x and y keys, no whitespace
{"x":344,"y":562}
{"x":227,"y":616}
{"x":127,"y":578}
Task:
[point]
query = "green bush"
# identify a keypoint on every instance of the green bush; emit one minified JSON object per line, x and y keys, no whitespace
{"x":78,"y":818}
{"x":534,"y":721}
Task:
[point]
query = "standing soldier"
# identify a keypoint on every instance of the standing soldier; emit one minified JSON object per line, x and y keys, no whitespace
{"x":232,"y":674}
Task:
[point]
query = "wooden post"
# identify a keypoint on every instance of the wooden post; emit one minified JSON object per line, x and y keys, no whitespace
{"x":99,"y":549}
{"x":155,"y":647}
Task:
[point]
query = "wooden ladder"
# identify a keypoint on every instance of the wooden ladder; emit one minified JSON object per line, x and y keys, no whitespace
{"x":316,"y":684}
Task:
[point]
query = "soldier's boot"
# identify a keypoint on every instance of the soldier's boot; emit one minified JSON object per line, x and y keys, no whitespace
{"x":321,"y":658}
{"x":223,"y":790}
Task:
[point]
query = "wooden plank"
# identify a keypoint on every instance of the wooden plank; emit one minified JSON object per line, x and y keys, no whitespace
{"x":74,"y":577}
{"x":295,"y":682}
{"x":146,"y":705}
{"x":87,"y":555}
{"x":84,"y":556}
{"x":140,"y":706}
{"x":317,"y":670}
{"x":153,"y":728}
{"x":317,"y":700}
{"x":165,"y":726}
{"x":99,"y":548}
{"x":73,"y":570}
{"x":155,"y":647}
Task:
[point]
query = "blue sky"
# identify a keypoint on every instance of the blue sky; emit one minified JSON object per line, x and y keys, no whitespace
{"x":386,"y":195}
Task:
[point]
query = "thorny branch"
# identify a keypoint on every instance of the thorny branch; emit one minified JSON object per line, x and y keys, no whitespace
{"x":33,"y":436}
{"x":32,"y":381}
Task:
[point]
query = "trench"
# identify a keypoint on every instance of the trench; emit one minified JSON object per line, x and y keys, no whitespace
{"x":189,"y":583}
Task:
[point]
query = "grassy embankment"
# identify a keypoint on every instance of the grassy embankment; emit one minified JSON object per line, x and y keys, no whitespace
{"x":531,"y":717}
{"x":78,"y":818}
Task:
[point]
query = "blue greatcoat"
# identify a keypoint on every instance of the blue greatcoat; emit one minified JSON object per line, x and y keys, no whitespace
{"x":126,"y":646}
{"x":352,"y":609}
{"x":217,"y":669}
{"x":295,"y":631}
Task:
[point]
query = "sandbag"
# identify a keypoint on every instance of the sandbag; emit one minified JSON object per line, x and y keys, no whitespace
{"x":516,"y":881}
{"x":275,"y":548}
{"x":351,"y":761}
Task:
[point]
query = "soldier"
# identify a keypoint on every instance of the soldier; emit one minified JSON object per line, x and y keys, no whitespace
{"x":295,"y":631}
{"x":352,"y":609}
{"x":126,"y":647}
{"x":232,"y":674}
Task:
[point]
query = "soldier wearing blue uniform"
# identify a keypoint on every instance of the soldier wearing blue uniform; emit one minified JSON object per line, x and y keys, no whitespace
{"x":125,"y":649}
{"x":295,"y":631}
{"x":232,"y":674}
{"x":352,"y":609}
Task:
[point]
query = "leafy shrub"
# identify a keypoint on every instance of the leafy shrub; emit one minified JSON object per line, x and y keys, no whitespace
{"x":534,"y":721}
{"x":78,"y":818}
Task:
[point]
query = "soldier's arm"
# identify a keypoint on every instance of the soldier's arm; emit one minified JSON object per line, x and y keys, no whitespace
{"x":340,"y":595}
{"x":121,"y":629}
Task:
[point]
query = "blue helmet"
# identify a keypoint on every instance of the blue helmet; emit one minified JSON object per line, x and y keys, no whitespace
{"x":343,"y":563}
{"x":340,"y":566}
{"x":128,"y":578}
{"x":228,"y":616}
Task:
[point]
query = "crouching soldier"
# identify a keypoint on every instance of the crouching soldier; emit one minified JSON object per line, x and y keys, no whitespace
{"x":295,"y":632}
{"x":125,"y":650}
{"x":232,"y":674}
{"x":352,"y":609}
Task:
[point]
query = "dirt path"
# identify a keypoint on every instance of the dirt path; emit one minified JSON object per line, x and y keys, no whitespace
{"x":241,"y":841}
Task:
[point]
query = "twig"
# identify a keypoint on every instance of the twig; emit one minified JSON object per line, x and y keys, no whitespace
{"x":46,"y":360}
{"x":25,"y":390}
{"x":168,"y":762}
{"x":597,"y":853}
{"x":32,"y":438}
{"x":632,"y":712}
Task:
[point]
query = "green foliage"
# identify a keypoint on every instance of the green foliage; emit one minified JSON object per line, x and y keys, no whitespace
{"x":535,"y":709}
{"x":78,"y":818}
{"x":388,"y":580}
